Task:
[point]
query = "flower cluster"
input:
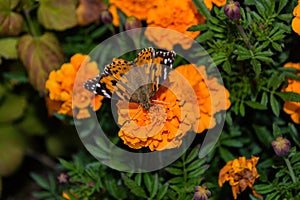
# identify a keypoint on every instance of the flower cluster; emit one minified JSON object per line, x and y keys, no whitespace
{"x":293,"y":108}
{"x":240,"y":173}
{"x":161,"y":14}
{"x":174,"y":113}
{"x":296,"y":20}
{"x":66,"y":94}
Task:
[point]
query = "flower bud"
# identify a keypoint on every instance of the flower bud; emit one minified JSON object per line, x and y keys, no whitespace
{"x":281,"y":146}
{"x":63,"y":178}
{"x":201,"y":193}
{"x":106,"y":17}
{"x":232,"y":10}
{"x":132,"y":22}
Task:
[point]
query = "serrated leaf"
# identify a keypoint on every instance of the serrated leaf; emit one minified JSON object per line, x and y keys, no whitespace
{"x":40,"y":55}
{"x":260,"y":8}
{"x":293,"y":76}
{"x":242,"y":109}
{"x":289,"y":96}
{"x":263,"y":135}
{"x":153,"y":192}
{"x":11,"y":22}
{"x":197,"y":173}
{"x":227,"y":66}
{"x":276,"y":46}
{"x":256,"y":105}
{"x":274,"y":105}
{"x":294,"y":133}
{"x":275,"y":81}
{"x":134,"y":188}
{"x":57,"y":15}
{"x":204,"y":36}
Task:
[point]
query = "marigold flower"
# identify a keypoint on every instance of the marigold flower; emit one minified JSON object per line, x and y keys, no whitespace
{"x":65,"y":93}
{"x":240,"y":173}
{"x":209,"y":3}
{"x":138,"y":9}
{"x":178,"y":15}
{"x":290,"y":107}
{"x":281,"y":146}
{"x":173,"y":113}
{"x":296,"y":20}
{"x":115,"y":17}
{"x":201,"y":193}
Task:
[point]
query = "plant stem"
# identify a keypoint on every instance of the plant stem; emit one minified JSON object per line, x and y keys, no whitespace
{"x":292,"y":174}
{"x":246,"y":39}
{"x":31,"y":27}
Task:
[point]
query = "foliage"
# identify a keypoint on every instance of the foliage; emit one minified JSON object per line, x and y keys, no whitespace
{"x":249,"y":53}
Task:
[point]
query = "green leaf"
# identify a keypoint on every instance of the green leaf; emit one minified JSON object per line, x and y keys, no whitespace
{"x":8,"y":48}
{"x":263,"y":135}
{"x":174,"y":171}
{"x":294,"y":133}
{"x":256,"y":105}
{"x":275,"y":81}
{"x":264,"y":188}
{"x":205,"y":36}
{"x":232,"y":143}
{"x":227,"y":67}
{"x":289,"y":96}
{"x":226,"y":155}
{"x":176,"y":180}
{"x":155,"y":185}
{"x":192,"y":155}
{"x":285,"y":17}
{"x":41,"y":181}
{"x":256,"y":66}
{"x":42,"y":195}
{"x":282,"y":4}
{"x":242,"y":109}
{"x":260,"y":8}
{"x":293,"y":76}
{"x":196,"y":164}
{"x":202,"y":8}
{"x":40,"y":55}
{"x":162,"y":192}
{"x":57,"y":15}
{"x":134,"y":188}
{"x":276,"y":46}
{"x":276,"y":130}
{"x":99,"y":32}
{"x":148,"y":181}
{"x":264,"y":99}
{"x":274,"y":105}
{"x":198,"y":27}
{"x":12,"y":107}
{"x":197,"y":173}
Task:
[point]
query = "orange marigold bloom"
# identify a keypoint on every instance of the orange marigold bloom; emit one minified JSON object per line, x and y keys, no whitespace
{"x":209,"y":3}
{"x":138,"y":9}
{"x":65,"y":93}
{"x":240,"y":173}
{"x":114,"y":12}
{"x":173,"y":113}
{"x":290,"y":107}
{"x":176,"y":15}
{"x":296,"y":20}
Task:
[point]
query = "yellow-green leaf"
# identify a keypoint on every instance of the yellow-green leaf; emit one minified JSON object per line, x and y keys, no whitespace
{"x":40,"y":55}
{"x":8,"y":48}
{"x":57,"y":15}
{"x":11,"y":150}
{"x":12,"y":107}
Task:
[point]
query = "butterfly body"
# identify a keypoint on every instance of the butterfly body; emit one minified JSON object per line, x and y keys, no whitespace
{"x":134,"y":81}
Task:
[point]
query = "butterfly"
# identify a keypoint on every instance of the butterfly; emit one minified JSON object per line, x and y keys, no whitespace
{"x":134,"y":81}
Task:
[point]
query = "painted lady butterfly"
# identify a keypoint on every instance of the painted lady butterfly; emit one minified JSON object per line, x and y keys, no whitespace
{"x":134,"y":81}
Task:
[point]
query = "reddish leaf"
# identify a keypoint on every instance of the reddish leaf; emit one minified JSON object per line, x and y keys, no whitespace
{"x":57,"y":15}
{"x":89,"y":11}
{"x":11,"y":23}
{"x":40,"y":55}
